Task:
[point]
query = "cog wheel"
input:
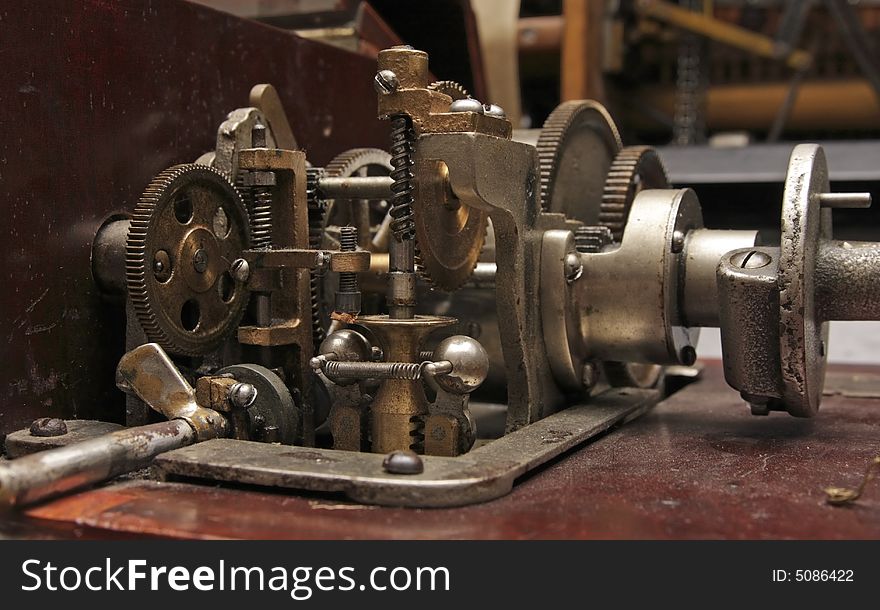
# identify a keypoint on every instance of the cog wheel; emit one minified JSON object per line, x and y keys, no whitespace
{"x":634,"y":169}
{"x":449,"y":234}
{"x":186,"y":229}
{"x":592,"y":238}
{"x":450,"y":88}
{"x":576,"y":147}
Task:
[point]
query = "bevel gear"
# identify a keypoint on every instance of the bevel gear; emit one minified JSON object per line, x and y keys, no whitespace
{"x":186,"y":229}
{"x":576,"y":147}
{"x":634,"y":169}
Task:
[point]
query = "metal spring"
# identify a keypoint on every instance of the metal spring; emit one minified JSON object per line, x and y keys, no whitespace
{"x":408,"y":371}
{"x":348,"y":239}
{"x":402,"y":150}
{"x":261,"y":217}
{"x":316,"y":209}
{"x":417,"y":432}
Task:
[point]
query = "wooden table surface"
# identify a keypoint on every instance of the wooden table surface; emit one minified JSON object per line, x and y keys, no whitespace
{"x":697,"y":466}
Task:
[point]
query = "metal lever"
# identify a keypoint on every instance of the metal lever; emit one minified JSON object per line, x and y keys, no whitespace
{"x":148,"y":372}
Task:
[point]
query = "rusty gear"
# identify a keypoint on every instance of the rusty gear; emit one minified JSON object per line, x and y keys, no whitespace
{"x":187,"y":228}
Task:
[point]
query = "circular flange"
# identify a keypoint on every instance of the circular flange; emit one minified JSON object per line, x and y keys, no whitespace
{"x":186,"y":230}
{"x":576,"y":148}
{"x":273,"y":416}
{"x":803,"y":339}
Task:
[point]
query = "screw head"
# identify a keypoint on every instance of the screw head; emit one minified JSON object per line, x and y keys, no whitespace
{"x":494,"y":110}
{"x":751,"y":259}
{"x":240,"y":270}
{"x":200,"y":260}
{"x":48,"y":426}
{"x":573,"y":266}
{"x":161,"y":266}
{"x":242,"y":395}
{"x":677,"y":241}
{"x":386,"y":82}
{"x":403,"y":462}
{"x":466,"y":105}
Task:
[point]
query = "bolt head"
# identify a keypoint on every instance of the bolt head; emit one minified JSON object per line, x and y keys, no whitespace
{"x":386,"y":82}
{"x":242,"y":395}
{"x":750,"y":259}
{"x":573,"y":266}
{"x":467,"y":105}
{"x":677,"y":241}
{"x":200,"y":261}
{"x":589,"y":375}
{"x":470,"y":364}
{"x":161,"y":266}
{"x":403,"y":462}
{"x":48,"y":426}
{"x":240,"y":270}
{"x":494,"y":110}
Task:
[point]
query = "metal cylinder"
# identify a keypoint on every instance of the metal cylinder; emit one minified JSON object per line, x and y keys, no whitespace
{"x":848,"y":280}
{"x":56,"y":471}
{"x":703,"y":250}
{"x":108,"y":257}
{"x":373,"y":188}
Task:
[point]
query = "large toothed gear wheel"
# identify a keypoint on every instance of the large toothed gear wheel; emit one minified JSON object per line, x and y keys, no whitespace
{"x":635,"y":169}
{"x":186,"y":230}
{"x":449,"y":234}
{"x":576,"y":148}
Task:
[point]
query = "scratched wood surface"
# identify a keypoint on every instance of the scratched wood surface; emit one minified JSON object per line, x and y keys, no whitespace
{"x":698,"y":466}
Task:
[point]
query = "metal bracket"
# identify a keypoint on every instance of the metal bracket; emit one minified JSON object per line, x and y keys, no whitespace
{"x":483,"y":474}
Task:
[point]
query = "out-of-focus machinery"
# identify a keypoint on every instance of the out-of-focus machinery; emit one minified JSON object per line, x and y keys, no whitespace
{"x":326,"y":329}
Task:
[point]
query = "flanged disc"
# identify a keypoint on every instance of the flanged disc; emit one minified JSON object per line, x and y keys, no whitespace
{"x":186,"y":230}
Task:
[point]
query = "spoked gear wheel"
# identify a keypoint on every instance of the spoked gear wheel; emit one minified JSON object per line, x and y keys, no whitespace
{"x":635,"y":168}
{"x":187,"y":228}
{"x":576,"y":148}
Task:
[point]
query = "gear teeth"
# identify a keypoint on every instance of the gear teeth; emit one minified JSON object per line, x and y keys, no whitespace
{"x":635,"y":168}
{"x":136,"y":265}
{"x":591,"y":239}
{"x":552,"y":141}
{"x":450,"y":88}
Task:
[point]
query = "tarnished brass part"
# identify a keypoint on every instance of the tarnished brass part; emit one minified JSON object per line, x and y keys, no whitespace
{"x":429,"y":109}
{"x":149,"y":373}
{"x":840,"y":496}
{"x":264,"y":280}
{"x":348,"y":422}
{"x":280,"y":258}
{"x":449,"y":235}
{"x":190,"y":218}
{"x":213,"y":392}
{"x":442,"y":432}
{"x":353,"y":262}
{"x":400,"y":406}
{"x":265,"y":97}
{"x":269,"y":336}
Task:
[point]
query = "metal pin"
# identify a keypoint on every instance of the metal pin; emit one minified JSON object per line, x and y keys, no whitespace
{"x":845,"y":200}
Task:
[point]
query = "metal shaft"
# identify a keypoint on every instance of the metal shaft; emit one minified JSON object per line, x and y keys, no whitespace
{"x":57,"y":471}
{"x":401,"y":248}
{"x":373,"y":188}
{"x":848,"y":280}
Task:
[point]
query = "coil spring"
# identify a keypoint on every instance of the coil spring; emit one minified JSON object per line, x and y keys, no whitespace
{"x":407,"y":371}
{"x":316,"y":209}
{"x":261,"y":217}
{"x":417,"y":432}
{"x":402,"y":150}
{"x":348,"y":243}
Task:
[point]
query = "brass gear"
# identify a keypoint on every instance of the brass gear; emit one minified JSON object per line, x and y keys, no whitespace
{"x":186,"y":229}
{"x":634,"y":169}
{"x":576,"y":147}
{"x":449,"y":234}
{"x":450,"y":88}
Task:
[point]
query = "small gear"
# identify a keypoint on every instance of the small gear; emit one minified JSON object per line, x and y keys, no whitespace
{"x":357,"y":162}
{"x":186,"y":229}
{"x":576,"y":148}
{"x":592,"y":238}
{"x":635,"y":168}
{"x":450,"y":88}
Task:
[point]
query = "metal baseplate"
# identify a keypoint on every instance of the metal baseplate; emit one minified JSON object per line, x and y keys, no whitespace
{"x":485,"y":473}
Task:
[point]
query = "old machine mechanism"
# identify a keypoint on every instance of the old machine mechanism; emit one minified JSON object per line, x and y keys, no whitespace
{"x":330,"y":328}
